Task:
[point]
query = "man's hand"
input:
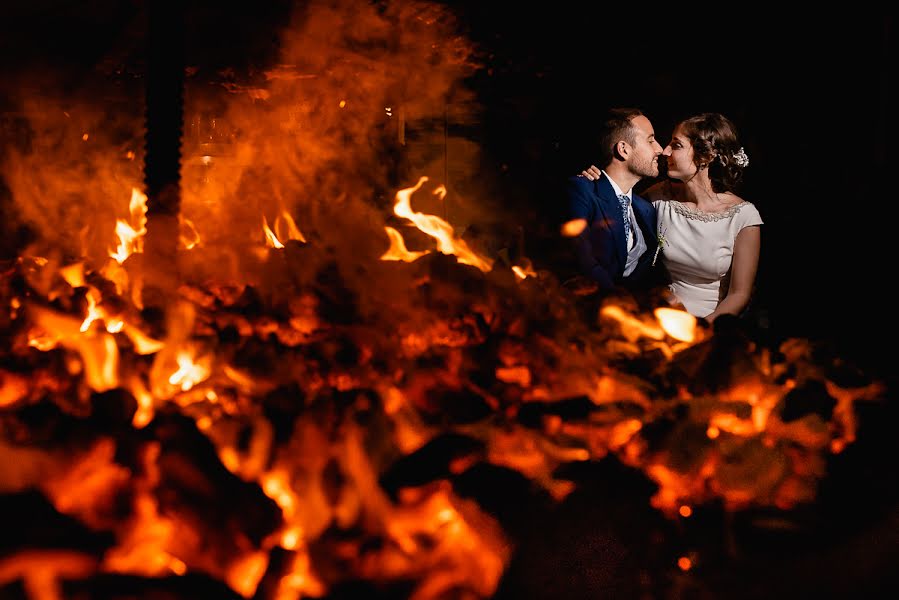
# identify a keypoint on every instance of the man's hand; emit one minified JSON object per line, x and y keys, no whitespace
{"x":591,"y":173}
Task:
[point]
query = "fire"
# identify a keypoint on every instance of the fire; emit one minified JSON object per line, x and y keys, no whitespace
{"x":275,"y":426}
{"x":287,"y":227}
{"x":92,"y":312}
{"x":397,"y":250}
{"x":523,"y":272}
{"x":130,"y":233}
{"x":189,"y":236}
{"x":271,"y":240}
{"x":437,"y":228}
{"x":98,"y":351}
{"x":190,"y":371}
{"x":678,"y":324}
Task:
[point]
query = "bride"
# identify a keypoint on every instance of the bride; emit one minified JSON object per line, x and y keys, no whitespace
{"x":710,"y":236}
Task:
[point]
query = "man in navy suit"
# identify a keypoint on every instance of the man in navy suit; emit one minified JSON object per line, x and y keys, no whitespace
{"x":614,"y":229}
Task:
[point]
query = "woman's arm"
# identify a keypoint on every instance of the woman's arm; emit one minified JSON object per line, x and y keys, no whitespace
{"x":742,"y":277}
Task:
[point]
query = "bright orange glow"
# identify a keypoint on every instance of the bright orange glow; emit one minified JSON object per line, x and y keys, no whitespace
{"x":142,"y":343}
{"x":73,"y":274}
{"x":632,"y":327}
{"x":189,"y":373}
{"x":285,"y":222}
{"x":684,"y":563}
{"x":437,"y":228}
{"x":276,"y":486}
{"x":144,"y":548}
{"x":685,"y":511}
{"x":41,"y":570}
{"x":85,"y":137}
{"x":291,"y":538}
{"x":397,"y":250}
{"x":177,"y":566}
{"x":525,"y":271}
{"x":713,"y":432}
{"x":189,"y":237}
{"x":520,"y":375}
{"x":93,"y":313}
{"x":115,"y":325}
{"x":623,"y":432}
{"x":98,"y":351}
{"x":678,"y":324}
{"x":243,"y":576}
{"x":144,"y":413}
{"x":300,"y":581}
{"x":574,"y":227}
{"x":271,"y":240}
{"x":131,"y":233}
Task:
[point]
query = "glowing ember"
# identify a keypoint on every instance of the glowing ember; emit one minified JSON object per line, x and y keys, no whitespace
{"x":678,"y":324}
{"x":573,"y":228}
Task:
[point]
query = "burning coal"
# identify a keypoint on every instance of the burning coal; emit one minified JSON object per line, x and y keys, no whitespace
{"x":258,"y":432}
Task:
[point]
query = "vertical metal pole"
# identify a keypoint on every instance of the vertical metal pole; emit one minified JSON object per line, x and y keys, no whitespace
{"x":162,"y":168}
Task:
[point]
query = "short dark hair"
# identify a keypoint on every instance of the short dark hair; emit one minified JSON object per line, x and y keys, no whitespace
{"x":714,"y":141}
{"x":618,"y":126}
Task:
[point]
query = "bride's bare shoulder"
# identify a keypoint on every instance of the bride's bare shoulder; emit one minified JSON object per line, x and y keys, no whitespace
{"x":663,"y":190}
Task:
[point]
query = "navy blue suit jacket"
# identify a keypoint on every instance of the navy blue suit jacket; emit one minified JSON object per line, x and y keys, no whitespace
{"x":601,"y":247}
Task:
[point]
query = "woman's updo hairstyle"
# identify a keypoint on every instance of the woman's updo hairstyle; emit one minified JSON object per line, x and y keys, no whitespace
{"x":715,"y":147}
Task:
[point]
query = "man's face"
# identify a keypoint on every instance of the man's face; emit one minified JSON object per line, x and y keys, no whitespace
{"x":643,"y":159}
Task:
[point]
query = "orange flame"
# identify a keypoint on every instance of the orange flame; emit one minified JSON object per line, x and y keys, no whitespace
{"x":189,"y":237}
{"x":73,"y":274}
{"x":144,"y":413}
{"x":397,"y":250}
{"x":293,"y":232}
{"x":271,"y":240}
{"x":99,"y":352}
{"x":437,"y":228}
{"x":93,"y":313}
{"x":524,"y":272}
{"x":678,"y":324}
{"x":189,"y":373}
{"x":632,"y":327}
{"x":131,"y":234}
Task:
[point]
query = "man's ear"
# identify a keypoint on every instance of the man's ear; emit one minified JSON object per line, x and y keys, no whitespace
{"x":622,"y":150}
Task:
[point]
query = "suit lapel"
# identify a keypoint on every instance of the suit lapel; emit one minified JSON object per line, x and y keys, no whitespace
{"x":612,"y":210}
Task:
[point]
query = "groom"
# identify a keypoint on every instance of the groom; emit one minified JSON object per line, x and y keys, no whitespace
{"x":614,"y":230}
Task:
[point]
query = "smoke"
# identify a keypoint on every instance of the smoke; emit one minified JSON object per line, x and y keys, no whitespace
{"x":320,"y":133}
{"x":354,"y":108}
{"x":70,"y":169}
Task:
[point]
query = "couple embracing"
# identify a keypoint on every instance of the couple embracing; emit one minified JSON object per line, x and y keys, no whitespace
{"x":691,"y":231}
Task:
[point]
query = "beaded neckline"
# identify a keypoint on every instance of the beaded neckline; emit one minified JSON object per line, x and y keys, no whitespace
{"x":701,"y":215}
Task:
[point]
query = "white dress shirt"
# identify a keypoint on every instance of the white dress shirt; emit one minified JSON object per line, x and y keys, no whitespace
{"x":636,"y":244}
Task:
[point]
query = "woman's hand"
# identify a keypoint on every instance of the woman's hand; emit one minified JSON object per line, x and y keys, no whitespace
{"x":592,"y":173}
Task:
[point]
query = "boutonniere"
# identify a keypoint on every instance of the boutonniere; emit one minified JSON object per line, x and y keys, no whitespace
{"x":662,"y":242}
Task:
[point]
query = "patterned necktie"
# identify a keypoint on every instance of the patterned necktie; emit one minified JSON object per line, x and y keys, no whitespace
{"x":625,"y":203}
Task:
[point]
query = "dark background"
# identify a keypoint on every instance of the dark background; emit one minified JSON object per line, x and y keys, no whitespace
{"x":811,"y":96}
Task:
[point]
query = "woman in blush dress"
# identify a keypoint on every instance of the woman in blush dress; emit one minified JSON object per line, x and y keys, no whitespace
{"x":710,"y":237}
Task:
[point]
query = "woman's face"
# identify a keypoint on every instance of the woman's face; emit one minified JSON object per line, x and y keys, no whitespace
{"x":679,"y":154}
